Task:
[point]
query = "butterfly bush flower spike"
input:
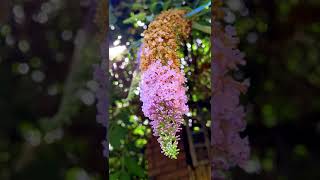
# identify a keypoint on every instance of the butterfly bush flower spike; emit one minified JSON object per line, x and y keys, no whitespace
{"x":162,"y":86}
{"x":164,"y":103}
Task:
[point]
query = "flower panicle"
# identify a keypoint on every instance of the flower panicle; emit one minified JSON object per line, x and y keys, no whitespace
{"x":162,"y":92}
{"x":162,"y":89}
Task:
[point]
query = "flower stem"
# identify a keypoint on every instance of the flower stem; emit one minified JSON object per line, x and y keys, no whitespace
{"x":200,"y":27}
{"x":198,"y":9}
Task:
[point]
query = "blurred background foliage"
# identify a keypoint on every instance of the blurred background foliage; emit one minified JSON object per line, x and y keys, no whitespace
{"x":281,"y":42}
{"x":47,"y":102}
{"x":129,"y":129}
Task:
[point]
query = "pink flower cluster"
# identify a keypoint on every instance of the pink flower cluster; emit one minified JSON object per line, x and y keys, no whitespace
{"x":229,"y":149}
{"x":163,"y":94}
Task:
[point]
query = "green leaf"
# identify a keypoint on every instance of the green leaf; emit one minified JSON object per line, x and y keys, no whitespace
{"x":114,"y":176}
{"x":141,"y":142}
{"x":133,"y":166}
{"x":116,"y":134}
{"x":124,"y":176}
{"x":200,"y":27}
{"x":156,"y":7}
{"x":137,"y":6}
{"x":198,"y":9}
{"x":167,"y":4}
{"x":135,"y":17}
{"x":139,"y":130}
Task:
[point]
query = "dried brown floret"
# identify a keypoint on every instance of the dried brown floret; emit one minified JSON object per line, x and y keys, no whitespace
{"x":162,"y":38}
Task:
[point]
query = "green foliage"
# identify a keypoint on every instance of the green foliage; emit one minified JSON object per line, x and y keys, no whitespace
{"x":116,"y":135}
{"x":133,"y":167}
{"x":203,"y":28}
{"x":45,"y":107}
{"x":135,"y":17}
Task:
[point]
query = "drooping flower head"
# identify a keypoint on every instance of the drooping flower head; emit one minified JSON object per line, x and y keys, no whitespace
{"x":162,"y":89}
{"x":162,"y":92}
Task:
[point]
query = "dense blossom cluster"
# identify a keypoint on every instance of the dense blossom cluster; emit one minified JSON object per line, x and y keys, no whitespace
{"x":162,"y":38}
{"x":164,"y":102}
{"x":162,"y":89}
{"x":229,"y":149}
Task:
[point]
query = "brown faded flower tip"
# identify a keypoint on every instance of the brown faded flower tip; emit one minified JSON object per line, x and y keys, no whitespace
{"x":162,"y":38}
